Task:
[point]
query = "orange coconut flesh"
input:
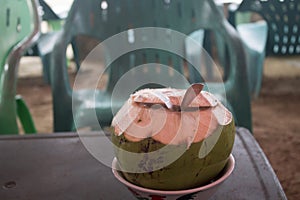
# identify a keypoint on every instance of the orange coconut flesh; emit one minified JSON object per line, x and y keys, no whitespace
{"x":139,"y":118}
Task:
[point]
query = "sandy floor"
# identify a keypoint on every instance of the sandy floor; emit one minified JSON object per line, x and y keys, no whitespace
{"x":276,"y":118}
{"x":276,"y":123}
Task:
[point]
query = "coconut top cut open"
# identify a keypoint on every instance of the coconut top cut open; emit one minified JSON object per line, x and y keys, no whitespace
{"x":159,"y":113}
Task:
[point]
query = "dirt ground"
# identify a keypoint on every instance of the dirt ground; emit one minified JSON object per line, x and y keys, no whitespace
{"x":276,"y":122}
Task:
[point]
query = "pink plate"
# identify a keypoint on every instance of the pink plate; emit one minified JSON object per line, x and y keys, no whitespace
{"x":203,"y":192}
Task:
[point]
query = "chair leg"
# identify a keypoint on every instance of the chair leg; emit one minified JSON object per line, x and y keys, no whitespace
{"x":24,"y":116}
{"x":62,"y":115}
{"x":76,"y":54}
{"x":46,"y":67}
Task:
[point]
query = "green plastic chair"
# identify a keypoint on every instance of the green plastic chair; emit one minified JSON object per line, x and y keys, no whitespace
{"x":54,"y":20}
{"x":254,"y":37}
{"x":277,"y":36}
{"x":44,"y":45}
{"x":283,"y":20}
{"x":88,"y":19}
{"x":18,"y":29}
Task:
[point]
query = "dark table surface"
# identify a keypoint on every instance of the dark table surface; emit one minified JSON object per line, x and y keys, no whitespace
{"x":58,"y":166}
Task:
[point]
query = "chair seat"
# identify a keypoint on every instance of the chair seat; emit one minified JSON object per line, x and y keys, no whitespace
{"x":94,"y":107}
{"x":46,"y":42}
{"x":254,"y":35}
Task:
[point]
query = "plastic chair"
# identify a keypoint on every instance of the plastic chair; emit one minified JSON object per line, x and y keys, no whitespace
{"x":54,"y":20}
{"x":18,"y":29}
{"x":44,"y":45}
{"x":254,"y":37}
{"x":87,"y":18}
{"x":279,"y":36}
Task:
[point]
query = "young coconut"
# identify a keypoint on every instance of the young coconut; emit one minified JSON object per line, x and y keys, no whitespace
{"x":171,"y":139}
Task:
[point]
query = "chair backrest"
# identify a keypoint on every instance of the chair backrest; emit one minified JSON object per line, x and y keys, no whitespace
{"x":48,"y":13}
{"x":103,"y":19}
{"x":54,"y":20}
{"x":283,"y":19}
{"x":18,"y":29}
{"x":101,"y":23}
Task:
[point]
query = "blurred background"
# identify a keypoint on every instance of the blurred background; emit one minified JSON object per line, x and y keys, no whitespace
{"x":275,"y":111}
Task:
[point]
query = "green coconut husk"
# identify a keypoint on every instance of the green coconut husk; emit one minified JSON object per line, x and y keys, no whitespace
{"x":200,"y":163}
